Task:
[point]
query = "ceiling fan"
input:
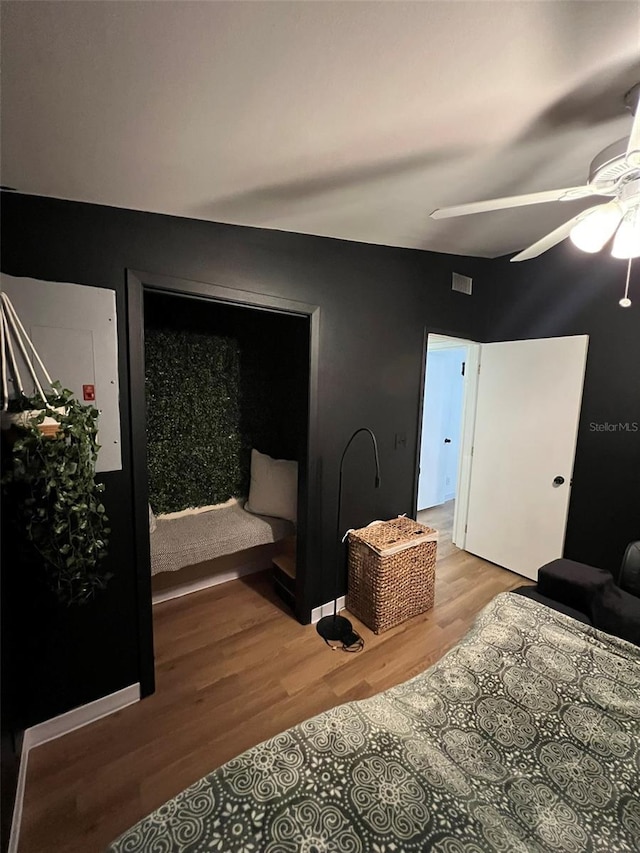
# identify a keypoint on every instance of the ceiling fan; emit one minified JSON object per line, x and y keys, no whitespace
{"x":614,"y":172}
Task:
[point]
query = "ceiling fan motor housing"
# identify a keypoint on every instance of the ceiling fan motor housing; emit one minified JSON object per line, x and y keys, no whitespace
{"x":610,"y":166}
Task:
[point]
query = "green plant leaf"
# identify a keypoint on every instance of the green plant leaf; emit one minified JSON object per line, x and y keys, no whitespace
{"x":51,"y":499}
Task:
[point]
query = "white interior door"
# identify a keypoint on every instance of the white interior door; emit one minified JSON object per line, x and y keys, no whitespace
{"x":527,"y":412}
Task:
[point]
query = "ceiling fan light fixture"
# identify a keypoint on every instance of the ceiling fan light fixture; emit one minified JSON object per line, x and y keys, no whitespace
{"x":597,"y":227}
{"x":626,"y":243}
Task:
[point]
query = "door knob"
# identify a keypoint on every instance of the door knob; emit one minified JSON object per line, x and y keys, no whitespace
{"x":558,"y":481}
{"x":447,"y":441}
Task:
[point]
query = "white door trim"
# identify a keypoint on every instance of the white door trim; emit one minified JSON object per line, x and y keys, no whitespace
{"x":472,"y":370}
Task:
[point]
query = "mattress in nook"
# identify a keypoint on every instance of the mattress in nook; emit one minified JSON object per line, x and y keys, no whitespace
{"x":194,"y":538}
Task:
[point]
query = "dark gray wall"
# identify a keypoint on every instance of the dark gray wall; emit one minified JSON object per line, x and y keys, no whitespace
{"x":374,"y":301}
{"x":566,"y":292}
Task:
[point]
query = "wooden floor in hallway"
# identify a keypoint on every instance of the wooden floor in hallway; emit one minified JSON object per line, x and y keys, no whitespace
{"x":233,"y":667}
{"x":441,"y":519}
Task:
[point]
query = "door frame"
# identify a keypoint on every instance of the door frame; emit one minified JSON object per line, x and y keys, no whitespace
{"x":137,"y":284}
{"x":466,"y":430}
{"x":465,"y":453}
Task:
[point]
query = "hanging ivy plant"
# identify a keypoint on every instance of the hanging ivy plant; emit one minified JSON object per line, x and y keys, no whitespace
{"x":54,"y":501}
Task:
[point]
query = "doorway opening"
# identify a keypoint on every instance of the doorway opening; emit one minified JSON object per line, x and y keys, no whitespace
{"x":499,"y":432}
{"x":448,"y":406}
{"x":226,"y":389}
{"x":255,"y":334}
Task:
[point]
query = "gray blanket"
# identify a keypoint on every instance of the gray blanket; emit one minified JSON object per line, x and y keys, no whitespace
{"x":524,"y":737}
{"x":192,"y":539}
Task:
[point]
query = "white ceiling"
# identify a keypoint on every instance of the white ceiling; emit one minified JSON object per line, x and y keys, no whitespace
{"x":347,"y":119}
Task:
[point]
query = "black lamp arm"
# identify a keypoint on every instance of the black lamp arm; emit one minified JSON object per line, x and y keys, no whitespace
{"x":338,"y":536}
{"x":375,"y":453}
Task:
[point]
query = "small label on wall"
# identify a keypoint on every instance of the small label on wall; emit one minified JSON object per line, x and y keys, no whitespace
{"x":88,"y":392}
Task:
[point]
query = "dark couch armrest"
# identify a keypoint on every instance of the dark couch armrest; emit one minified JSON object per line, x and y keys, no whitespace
{"x":594,"y":592}
{"x":574,"y":584}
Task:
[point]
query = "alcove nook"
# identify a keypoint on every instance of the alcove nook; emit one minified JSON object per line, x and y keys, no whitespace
{"x":226,"y":397}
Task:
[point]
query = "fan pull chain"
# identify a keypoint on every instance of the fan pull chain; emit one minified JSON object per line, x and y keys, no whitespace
{"x":625,"y":302}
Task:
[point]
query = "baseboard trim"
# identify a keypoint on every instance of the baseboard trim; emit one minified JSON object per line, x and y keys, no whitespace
{"x":206,"y":583}
{"x":327,"y":609}
{"x":57,"y":727}
{"x":82,"y":716}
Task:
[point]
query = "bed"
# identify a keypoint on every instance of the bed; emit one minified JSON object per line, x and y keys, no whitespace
{"x":524,"y":737}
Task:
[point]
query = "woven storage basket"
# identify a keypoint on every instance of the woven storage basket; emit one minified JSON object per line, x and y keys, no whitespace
{"x":391,"y":572}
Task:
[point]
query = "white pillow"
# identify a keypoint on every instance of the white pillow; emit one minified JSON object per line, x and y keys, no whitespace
{"x":274,"y":487}
{"x":152,"y":521}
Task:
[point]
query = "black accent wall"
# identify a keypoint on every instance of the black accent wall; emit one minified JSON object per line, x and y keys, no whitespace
{"x":374,"y":301}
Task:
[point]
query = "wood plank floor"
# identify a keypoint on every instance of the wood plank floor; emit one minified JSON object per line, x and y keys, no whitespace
{"x":233,"y":668}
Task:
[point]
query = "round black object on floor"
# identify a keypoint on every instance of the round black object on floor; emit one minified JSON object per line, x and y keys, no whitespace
{"x":335,"y":628}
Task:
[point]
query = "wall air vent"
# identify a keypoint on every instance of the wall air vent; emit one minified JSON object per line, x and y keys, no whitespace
{"x":461,"y":283}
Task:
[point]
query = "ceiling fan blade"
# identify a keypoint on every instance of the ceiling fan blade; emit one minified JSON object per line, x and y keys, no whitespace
{"x":555,"y":237}
{"x":633,"y":146}
{"x":568,"y":194}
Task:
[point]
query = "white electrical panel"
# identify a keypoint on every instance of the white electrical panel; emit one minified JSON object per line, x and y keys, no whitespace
{"x":74,"y":329}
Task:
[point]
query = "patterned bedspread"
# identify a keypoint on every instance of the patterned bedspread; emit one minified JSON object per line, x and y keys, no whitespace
{"x":524,"y":737}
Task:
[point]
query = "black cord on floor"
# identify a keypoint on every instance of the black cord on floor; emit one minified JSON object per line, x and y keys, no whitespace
{"x":353,"y":643}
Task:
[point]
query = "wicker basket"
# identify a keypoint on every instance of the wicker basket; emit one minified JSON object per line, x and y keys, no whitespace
{"x":391,"y":572}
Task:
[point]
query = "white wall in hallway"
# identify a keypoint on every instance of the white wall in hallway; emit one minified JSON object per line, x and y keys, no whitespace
{"x":442,"y":417}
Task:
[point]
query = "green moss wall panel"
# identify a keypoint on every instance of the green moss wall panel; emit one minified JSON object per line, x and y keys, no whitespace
{"x":220,"y":380}
{"x":195,"y":445}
